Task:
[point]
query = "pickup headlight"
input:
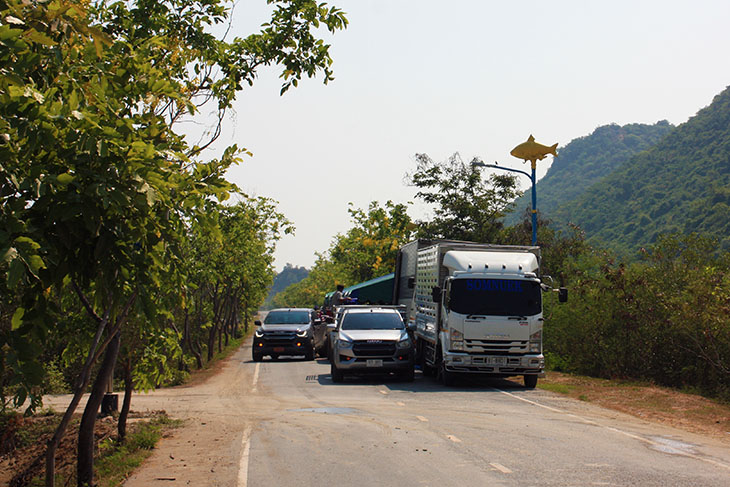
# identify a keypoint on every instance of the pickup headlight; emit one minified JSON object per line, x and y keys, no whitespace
{"x":405,"y":343}
{"x":259,"y":333}
{"x":342,"y":343}
{"x":301,"y":333}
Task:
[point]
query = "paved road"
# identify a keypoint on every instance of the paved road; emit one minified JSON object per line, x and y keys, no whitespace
{"x":385,"y":432}
{"x":285,"y":423}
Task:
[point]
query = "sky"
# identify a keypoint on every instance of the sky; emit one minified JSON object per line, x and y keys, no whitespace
{"x":470,"y":76}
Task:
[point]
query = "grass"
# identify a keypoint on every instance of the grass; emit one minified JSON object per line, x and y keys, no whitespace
{"x":118,"y":461}
{"x":645,"y":400}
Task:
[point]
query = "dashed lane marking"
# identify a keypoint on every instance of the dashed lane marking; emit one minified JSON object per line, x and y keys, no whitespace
{"x":256,"y":377}
{"x":385,"y":393}
{"x":453,"y":438}
{"x":421,"y":418}
{"x":501,"y":468}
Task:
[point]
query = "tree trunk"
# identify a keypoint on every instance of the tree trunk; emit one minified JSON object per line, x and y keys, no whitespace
{"x":85,"y":466}
{"x":128,"y":389}
{"x":211,"y":340}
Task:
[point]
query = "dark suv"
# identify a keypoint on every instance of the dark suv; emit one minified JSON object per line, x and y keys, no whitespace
{"x":288,"y":331}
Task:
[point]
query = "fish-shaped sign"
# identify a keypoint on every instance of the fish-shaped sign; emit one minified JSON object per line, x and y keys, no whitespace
{"x":532,"y":151}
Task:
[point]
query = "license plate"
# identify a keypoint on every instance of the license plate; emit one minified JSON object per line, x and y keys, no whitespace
{"x":278,"y":349}
{"x":374,"y":362}
{"x":497,"y":360}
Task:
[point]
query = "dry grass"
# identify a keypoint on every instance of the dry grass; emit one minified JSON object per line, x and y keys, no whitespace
{"x":647,"y":401}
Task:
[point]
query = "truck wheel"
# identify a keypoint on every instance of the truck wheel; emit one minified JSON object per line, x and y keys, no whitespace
{"x":337,"y":375}
{"x":445,"y":377}
{"x":530,"y":381}
{"x":257,"y":357}
{"x":274,"y":357}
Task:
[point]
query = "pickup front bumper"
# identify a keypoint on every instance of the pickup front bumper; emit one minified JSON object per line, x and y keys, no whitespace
{"x":365,"y":358}
{"x":282,"y":344}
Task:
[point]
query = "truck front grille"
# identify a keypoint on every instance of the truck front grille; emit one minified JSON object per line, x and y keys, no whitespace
{"x":374,"y":348}
{"x":497,"y":347}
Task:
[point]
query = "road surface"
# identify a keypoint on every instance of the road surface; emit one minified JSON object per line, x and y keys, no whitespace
{"x":286,"y":423}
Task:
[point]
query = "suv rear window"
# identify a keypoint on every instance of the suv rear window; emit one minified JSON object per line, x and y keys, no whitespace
{"x":372,"y":321}
{"x":287,"y":318}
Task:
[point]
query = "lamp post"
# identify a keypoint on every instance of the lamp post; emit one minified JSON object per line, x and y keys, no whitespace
{"x":477,"y":163}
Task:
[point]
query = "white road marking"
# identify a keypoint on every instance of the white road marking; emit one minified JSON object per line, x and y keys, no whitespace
{"x":401,"y":403}
{"x":256,"y":377}
{"x":501,"y":467}
{"x":453,"y":438}
{"x":616,"y":430}
{"x":243,"y":463}
{"x":421,"y":418}
{"x":385,"y":393}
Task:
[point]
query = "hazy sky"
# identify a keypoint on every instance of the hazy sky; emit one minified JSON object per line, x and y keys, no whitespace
{"x":473,"y":76}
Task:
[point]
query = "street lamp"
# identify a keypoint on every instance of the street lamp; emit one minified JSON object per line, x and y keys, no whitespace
{"x":477,"y":163}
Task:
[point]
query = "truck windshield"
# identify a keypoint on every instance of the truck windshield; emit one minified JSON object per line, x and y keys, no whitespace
{"x":372,"y":321}
{"x":496,"y":297}
{"x":287,"y":318}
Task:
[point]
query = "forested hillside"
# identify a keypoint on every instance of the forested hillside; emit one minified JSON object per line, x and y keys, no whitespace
{"x":288,"y":276}
{"x":682,"y":184}
{"x":585,"y":161}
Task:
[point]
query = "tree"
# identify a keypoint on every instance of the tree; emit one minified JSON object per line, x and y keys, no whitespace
{"x":367,"y":250}
{"x":465,"y":206}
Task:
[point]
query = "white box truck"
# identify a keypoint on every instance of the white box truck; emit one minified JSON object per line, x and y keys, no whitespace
{"x":474,"y":308}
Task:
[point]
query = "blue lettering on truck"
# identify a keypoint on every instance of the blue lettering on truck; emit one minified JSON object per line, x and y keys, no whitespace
{"x":499,"y":285}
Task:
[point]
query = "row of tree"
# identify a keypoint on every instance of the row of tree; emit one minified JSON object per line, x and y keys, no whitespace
{"x":116,"y":244}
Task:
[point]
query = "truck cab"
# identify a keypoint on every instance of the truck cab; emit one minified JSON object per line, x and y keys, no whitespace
{"x":478,"y":309}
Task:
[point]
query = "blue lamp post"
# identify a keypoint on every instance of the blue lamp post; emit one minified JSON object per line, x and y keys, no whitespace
{"x":478,"y":163}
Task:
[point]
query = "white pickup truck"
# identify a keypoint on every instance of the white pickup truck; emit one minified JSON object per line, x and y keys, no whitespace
{"x":371,"y":339}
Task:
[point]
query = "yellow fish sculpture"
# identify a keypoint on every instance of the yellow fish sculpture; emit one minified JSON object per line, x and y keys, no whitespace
{"x":532,"y":151}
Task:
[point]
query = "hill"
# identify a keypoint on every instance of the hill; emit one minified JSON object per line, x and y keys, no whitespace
{"x":585,"y":161}
{"x":681,"y":184}
{"x":288,"y":276}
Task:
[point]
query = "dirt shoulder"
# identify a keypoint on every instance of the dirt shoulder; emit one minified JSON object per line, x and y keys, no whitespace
{"x":649,"y":402}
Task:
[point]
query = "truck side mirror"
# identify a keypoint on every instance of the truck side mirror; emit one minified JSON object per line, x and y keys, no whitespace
{"x":436,"y":294}
{"x":563,"y":295}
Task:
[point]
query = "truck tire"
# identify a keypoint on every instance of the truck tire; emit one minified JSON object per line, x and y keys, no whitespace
{"x":257,"y":357}
{"x":445,"y":377}
{"x":337,"y":375}
{"x":530,"y":381}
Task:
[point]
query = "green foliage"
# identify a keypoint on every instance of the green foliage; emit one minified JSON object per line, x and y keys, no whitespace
{"x":662,"y":319}
{"x":465,"y":206}
{"x":98,"y":192}
{"x":679,"y":185}
{"x":585,"y":161}
{"x":288,"y":276}
{"x":367,"y":250}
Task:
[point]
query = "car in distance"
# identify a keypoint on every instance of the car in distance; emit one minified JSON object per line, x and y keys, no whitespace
{"x":287,"y":331}
{"x":371,"y":340}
